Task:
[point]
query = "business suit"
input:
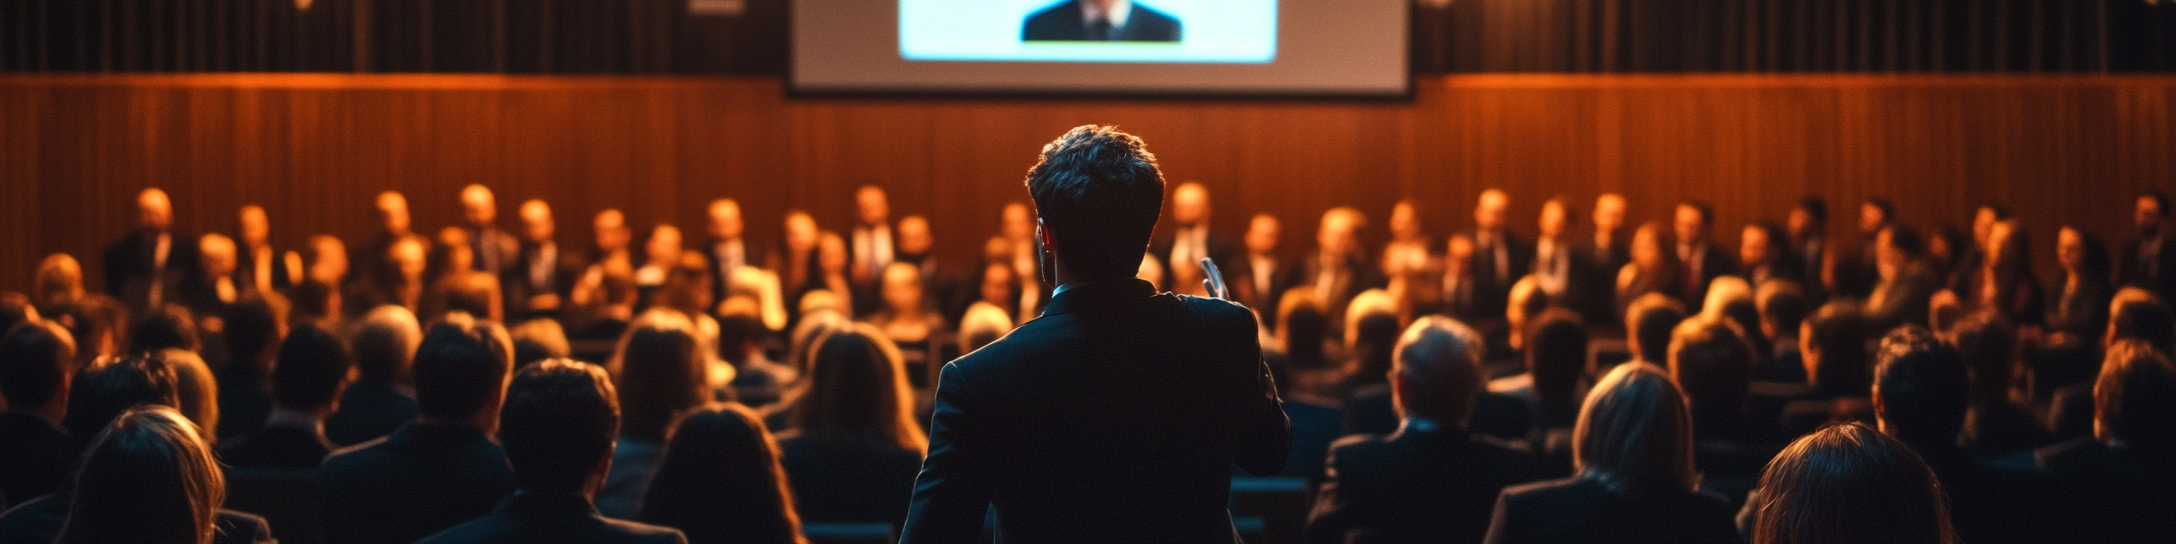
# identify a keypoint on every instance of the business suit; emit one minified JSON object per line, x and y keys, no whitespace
{"x":1599,"y":289}
{"x":2112,"y":493}
{"x":849,"y":480}
{"x":1499,"y":260}
{"x":1902,"y":299}
{"x":417,"y":481}
{"x":277,"y":447}
{"x":1345,"y":279}
{"x":136,"y":276}
{"x":495,"y":250}
{"x":2155,"y":272}
{"x":540,"y":269}
{"x":39,"y":520}
{"x":554,"y":517}
{"x":1581,"y":510}
{"x":1431,"y":484}
{"x":1249,"y":288}
{"x":1066,"y":22}
{"x":2081,"y":312}
{"x":368,"y":410}
{"x":1706,"y":263}
{"x":1116,"y":416}
{"x":36,"y":457}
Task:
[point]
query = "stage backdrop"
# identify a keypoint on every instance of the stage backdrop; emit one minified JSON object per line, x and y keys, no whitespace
{"x":313,"y":149}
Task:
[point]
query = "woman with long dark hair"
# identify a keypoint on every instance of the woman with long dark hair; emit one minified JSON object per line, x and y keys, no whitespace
{"x":720,"y":481}
{"x":150,"y":477}
{"x":660,"y":371}
{"x":1849,"y":483}
{"x":855,"y":447}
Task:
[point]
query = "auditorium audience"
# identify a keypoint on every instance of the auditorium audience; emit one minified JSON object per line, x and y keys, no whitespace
{"x":145,"y":268}
{"x":1648,"y":323}
{"x":855,"y":445}
{"x":165,"y":327}
{"x":1848,"y":483}
{"x":1605,"y":251}
{"x":96,"y":395}
{"x":318,"y":299}
{"x":1409,"y":249}
{"x":543,"y":276}
{"x":495,"y":251}
{"x":2005,"y":282}
{"x":58,"y":285}
{"x":831,"y":262}
{"x":795,"y":260}
{"x":659,"y":254}
{"x":906,"y":316}
{"x":1459,"y":292}
{"x":1807,"y":227}
{"x":440,"y":469}
{"x":1711,"y":362}
{"x":719,"y":481}
{"x":197,"y":389}
{"x":209,"y":289}
{"x":1856,"y":275}
{"x":1264,"y":275}
{"x":1555,"y":356}
{"x":1698,"y":262}
{"x":1500,"y":257}
{"x":150,"y":477}
{"x":1635,"y":478}
{"x":37,"y":359}
{"x":538,"y":339}
{"x":257,"y":264}
{"x":604,"y":298}
{"x":1653,"y":268}
{"x":1996,"y":423}
{"x":311,"y":370}
{"x":1782,"y":305}
{"x":1905,"y":281}
{"x":724,"y":244}
{"x":382,"y":398}
{"x":2080,"y":310}
{"x":558,"y":424}
{"x":1833,"y":344}
{"x":394,"y":224}
{"x":662,"y":366}
{"x":1339,"y":268}
{"x":942,"y":284}
{"x":1921,"y":398}
{"x":1430,"y":480}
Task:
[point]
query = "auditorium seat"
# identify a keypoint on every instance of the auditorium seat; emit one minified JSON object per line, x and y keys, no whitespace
{"x":286,"y":497}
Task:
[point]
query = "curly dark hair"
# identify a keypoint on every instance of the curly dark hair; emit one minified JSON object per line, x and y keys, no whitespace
{"x":1098,"y":192}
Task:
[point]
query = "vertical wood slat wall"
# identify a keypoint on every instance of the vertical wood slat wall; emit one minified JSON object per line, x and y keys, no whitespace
{"x":314,"y":148}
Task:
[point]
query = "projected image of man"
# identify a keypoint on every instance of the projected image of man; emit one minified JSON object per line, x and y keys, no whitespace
{"x":1098,"y":21}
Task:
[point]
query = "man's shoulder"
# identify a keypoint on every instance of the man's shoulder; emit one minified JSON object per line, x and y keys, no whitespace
{"x":367,"y":453}
{"x":635,"y":531}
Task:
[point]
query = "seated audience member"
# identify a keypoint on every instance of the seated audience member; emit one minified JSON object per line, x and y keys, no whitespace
{"x":380,"y":400}
{"x":2134,"y":314}
{"x":542,"y":274}
{"x":1762,"y":257}
{"x":313,"y":368}
{"x":1654,"y":267}
{"x":1340,"y":268}
{"x":165,"y":327}
{"x":150,"y":477}
{"x":1000,"y":289}
{"x":1921,"y":397}
{"x":1906,"y":282}
{"x":1303,"y":329}
{"x":1430,"y":481}
{"x":1648,"y":323}
{"x":319,"y":298}
{"x":15,"y":309}
{"x":1635,"y":480}
{"x":855,"y":447}
{"x":196,"y":387}
{"x":981,"y":325}
{"x":831,"y":264}
{"x":1848,"y":483}
{"x":36,"y":360}
{"x":537,"y":340}
{"x":662,"y":366}
{"x":1549,"y":391}
{"x":720,"y":481}
{"x":100,"y":326}
{"x":1370,"y":333}
{"x":1997,"y":422}
{"x":59,"y":285}
{"x":2005,"y":282}
{"x":558,"y":423}
{"x":214,"y":284}
{"x":474,"y":293}
{"x":401,"y":277}
{"x":2120,"y":484}
{"x":1260,"y":275}
{"x":1838,"y":371}
{"x":757,"y":381}
{"x":1460,"y":296}
{"x":1782,"y":306}
{"x":906,"y":315}
{"x":254,"y":329}
{"x":1730,"y":298}
{"x":1712,"y":363}
{"x":95,"y":396}
{"x":2080,"y":310}
{"x":440,"y":469}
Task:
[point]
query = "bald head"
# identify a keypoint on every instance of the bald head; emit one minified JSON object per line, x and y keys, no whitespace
{"x":725,"y":222}
{"x":393,"y":213}
{"x":1489,"y":210}
{"x":1190,"y":204}
{"x":478,"y":206}
{"x":154,"y":210}
{"x":536,"y":221}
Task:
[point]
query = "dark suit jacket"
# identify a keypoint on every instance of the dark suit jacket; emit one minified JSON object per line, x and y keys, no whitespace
{"x":39,"y":520}
{"x":1413,"y":486}
{"x":847,"y":481}
{"x":244,"y":401}
{"x":495,"y":241}
{"x":36,"y":457}
{"x":1715,"y":262}
{"x":1219,"y":249}
{"x":2112,"y":494}
{"x":277,"y":447}
{"x":1492,"y":292}
{"x":2132,"y":271}
{"x":369,"y":410}
{"x":417,"y":481}
{"x":2084,"y":312}
{"x":1116,"y":416}
{"x":1581,"y":510}
{"x":565,"y":271}
{"x":1063,"y":22}
{"x":552,"y":517}
{"x":1239,"y":274}
{"x":1359,"y":275}
{"x":131,"y":268}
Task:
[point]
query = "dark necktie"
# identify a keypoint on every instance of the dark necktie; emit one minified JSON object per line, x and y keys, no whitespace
{"x":1099,"y":30}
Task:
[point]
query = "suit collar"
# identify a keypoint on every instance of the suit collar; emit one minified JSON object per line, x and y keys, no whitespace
{"x":1081,"y":296}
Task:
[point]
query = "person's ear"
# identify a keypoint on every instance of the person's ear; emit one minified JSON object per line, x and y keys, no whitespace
{"x":1049,"y":242}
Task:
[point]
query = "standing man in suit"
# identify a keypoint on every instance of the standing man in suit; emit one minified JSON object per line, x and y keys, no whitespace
{"x":495,"y":251}
{"x":1100,"y":21}
{"x":1808,"y":230}
{"x":1117,"y":415}
{"x":146,"y":268}
{"x":1260,"y":278}
{"x":869,"y":247}
{"x":2148,"y":262}
{"x":1191,"y":240}
{"x":1499,"y":256}
{"x":1699,"y":262}
{"x":544,"y":278}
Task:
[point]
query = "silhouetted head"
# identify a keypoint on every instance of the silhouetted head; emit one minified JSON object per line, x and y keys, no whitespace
{"x":149,"y":476}
{"x":1849,"y":483}
{"x":1634,"y":434}
{"x":1097,"y":195}
{"x":560,"y":419}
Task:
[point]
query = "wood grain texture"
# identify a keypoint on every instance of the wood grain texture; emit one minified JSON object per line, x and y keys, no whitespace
{"x":313,"y":148}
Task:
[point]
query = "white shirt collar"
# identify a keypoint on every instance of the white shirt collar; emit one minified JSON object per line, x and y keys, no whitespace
{"x":1119,"y":13}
